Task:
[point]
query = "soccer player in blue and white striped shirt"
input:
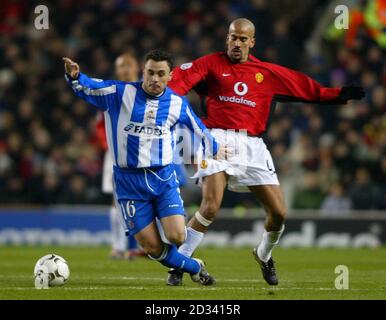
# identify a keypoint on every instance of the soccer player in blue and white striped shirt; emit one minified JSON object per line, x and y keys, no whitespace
{"x":140,"y":120}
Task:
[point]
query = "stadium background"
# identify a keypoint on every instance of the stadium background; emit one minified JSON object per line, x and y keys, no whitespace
{"x":331,"y":160}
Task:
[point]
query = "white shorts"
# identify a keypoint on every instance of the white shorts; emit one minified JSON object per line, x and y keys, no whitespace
{"x":107,"y":175}
{"x":250,"y":164}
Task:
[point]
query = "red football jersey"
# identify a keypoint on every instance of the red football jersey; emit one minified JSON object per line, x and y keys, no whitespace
{"x":241,"y":95}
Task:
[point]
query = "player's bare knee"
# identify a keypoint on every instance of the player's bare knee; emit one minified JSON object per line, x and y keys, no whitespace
{"x":176,"y":238}
{"x":281,"y":214}
{"x":278,"y":217}
{"x":152,"y":249}
{"x":209,"y":210}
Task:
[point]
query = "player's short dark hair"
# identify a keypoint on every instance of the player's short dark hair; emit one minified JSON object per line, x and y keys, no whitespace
{"x":160,"y":55}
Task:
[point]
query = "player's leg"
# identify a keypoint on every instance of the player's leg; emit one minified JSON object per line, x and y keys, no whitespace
{"x":134,"y":250}
{"x":170,"y":211}
{"x":140,"y":221}
{"x":150,"y":240}
{"x":213,"y":182}
{"x":174,"y":229}
{"x":168,"y":255}
{"x":272,"y":199}
{"x":212,"y":193}
{"x":175,"y":232}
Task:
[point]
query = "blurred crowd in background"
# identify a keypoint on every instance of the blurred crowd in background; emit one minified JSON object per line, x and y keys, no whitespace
{"x":328,"y":157}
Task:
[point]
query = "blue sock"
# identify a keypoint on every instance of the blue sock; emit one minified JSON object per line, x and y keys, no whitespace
{"x":132,"y":242}
{"x":171,"y":258}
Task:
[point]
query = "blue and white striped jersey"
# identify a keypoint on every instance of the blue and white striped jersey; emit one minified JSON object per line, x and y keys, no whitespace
{"x":140,"y":127}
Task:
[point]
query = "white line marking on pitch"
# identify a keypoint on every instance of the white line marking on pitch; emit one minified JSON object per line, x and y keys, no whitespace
{"x":221,"y":280}
{"x":188,"y":289}
{"x":19,"y":277}
{"x":162,"y":279}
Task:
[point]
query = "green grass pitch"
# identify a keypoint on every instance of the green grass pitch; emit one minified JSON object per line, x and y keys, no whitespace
{"x":303,"y":274}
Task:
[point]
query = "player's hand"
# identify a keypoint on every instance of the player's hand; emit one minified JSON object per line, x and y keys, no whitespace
{"x":223,"y":152}
{"x":71,"y":68}
{"x":351,"y":93}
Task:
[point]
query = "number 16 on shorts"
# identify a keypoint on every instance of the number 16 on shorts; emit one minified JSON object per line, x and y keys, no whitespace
{"x":128,"y":210}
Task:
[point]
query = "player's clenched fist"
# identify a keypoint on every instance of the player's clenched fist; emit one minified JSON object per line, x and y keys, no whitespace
{"x":71,"y":67}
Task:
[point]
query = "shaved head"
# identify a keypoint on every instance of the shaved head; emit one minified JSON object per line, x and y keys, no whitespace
{"x":244,"y":25}
{"x":240,"y":39}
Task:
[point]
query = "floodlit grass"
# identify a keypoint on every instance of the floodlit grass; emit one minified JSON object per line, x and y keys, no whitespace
{"x":303,"y":274}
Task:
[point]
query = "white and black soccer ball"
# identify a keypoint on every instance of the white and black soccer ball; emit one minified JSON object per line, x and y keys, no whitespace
{"x":50,"y":271}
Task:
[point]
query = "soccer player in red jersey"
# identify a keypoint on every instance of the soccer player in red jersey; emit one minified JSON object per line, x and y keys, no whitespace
{"x":126,"y":69}
{"x":241,"y":92}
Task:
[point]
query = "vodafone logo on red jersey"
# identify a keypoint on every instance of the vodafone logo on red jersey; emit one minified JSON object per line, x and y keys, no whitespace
{"x":240,"y":88}
{"x":241,"y":100}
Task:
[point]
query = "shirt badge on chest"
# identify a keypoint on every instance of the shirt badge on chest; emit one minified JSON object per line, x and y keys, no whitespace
{"x":259,"y":77}
{"x":150,"y":115}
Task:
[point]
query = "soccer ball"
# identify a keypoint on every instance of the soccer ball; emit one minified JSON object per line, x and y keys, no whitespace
{"x":50,"y":271}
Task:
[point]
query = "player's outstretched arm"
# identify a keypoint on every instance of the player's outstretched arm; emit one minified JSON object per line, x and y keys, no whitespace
{"x":291,"y":85}
{"x":101,"y":93}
